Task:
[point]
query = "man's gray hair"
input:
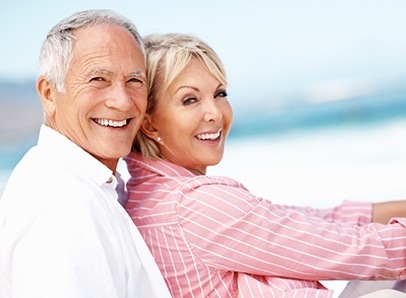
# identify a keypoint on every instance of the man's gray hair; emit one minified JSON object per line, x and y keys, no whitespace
{"x":56,"y":53}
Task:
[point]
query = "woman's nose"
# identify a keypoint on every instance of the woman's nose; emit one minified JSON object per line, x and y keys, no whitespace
{"x":212,"y":111}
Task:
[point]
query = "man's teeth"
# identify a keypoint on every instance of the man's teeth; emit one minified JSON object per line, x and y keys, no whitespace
{"x":208,"y":136}
{"x":112,"y":123}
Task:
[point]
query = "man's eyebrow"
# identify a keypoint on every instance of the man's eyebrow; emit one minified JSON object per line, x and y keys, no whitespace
{"x":138,"y":74}
{"x":98,"y":70}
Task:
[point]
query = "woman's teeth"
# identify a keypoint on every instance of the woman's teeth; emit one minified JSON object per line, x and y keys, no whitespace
{"x":208,"y":136}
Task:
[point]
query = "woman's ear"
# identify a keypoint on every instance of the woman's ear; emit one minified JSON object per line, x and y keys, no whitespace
{"x":148,"y":128}
{"x":45,"y":91}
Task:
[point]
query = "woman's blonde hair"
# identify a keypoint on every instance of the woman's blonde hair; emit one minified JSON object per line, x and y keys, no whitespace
{"x":167,"y":57}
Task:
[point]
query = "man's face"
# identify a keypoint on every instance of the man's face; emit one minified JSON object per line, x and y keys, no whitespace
{"x":105,"y":93}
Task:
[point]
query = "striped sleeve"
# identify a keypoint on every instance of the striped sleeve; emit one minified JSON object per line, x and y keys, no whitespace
{"x":350,"y":213}
{"x":224,"y":223}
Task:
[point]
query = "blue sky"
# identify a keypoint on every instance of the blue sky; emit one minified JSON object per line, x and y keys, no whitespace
{"x":269,"y":47}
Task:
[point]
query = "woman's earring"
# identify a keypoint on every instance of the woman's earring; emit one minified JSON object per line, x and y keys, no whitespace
{"x":158,"y":139}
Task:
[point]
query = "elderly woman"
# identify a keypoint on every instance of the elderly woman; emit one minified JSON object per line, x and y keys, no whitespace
{"x":210,"y":236}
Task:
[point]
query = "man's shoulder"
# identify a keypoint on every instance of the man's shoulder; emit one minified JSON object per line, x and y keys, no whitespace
{"x":42,"y":181}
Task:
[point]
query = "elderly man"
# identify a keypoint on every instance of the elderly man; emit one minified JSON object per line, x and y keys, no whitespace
{"x":63,"y":232}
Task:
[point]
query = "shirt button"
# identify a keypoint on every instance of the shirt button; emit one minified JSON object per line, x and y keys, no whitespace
{"x":110,"y":180}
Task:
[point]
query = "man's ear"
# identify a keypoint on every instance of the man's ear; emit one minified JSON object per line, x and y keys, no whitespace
{"x":46,"y":91}
{"x":148,"y":128}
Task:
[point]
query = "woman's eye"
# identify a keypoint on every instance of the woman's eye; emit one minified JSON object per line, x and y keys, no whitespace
{"x":221,"y":94}
{"x":189,"y":100}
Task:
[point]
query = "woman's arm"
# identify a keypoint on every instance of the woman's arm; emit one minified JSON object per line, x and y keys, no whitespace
{"x":231,"y":229}
{"x":349,"y":213}
{"x":358,"y":213}
{"x":383,"y":212}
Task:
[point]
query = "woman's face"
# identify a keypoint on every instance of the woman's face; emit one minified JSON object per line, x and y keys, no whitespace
{"x":192,"y":119}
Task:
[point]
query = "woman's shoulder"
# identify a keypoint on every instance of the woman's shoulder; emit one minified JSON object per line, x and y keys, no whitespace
{"x":208,"y":183}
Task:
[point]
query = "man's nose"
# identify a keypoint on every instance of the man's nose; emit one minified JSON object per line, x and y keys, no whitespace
{"x":120,"y":97}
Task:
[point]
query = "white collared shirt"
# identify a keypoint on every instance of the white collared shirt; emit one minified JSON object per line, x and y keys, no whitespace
{"x":64,"y":234}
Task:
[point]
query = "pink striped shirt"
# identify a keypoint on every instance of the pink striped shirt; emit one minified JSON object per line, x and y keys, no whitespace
{"x":212,"y":238}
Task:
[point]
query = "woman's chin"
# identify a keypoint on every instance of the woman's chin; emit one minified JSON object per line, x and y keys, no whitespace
{"x":214,"y":162}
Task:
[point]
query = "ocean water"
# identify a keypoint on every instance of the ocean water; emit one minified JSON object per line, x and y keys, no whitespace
{"x":322,"y":166}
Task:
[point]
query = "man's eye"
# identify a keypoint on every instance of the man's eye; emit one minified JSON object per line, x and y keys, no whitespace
{"x":97,"y":79}
{"x":136,"y":81}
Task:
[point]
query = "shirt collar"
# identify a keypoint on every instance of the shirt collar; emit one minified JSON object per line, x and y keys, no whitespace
{"x":121,"y":190}
{"x":56,"y":143}
{"x":161,"y":167}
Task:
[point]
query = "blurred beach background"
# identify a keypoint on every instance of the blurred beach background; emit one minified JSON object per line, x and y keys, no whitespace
{"x":318,"y":89}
